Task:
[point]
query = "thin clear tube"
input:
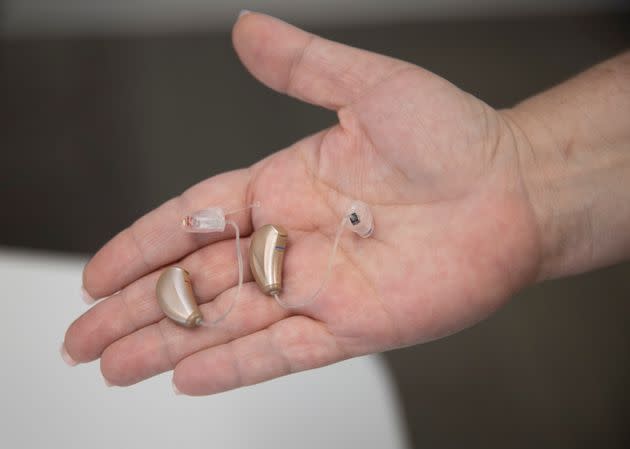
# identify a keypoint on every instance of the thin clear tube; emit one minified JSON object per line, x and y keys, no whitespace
{"x":239,"y":258}
{"x":327,"y":273}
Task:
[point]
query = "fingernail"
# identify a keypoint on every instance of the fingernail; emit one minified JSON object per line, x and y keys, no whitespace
{"x":65,"y":356}
{"x":85,"y":296}
{"x":242,"y":12}
{"x":175,"y":389}
{"x":107,"y":382}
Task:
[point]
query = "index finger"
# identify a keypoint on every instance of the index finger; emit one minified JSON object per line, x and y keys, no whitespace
{"x":157,"y":239}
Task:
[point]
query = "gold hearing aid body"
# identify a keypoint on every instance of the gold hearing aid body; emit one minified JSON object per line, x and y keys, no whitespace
{"x":176,"y":298}
{"x":266,"y":254}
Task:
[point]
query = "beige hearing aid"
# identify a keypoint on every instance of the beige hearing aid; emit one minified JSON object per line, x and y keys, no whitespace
{"x":176,"y":298}
{"x":268,"y":244}
{"x":266,"y":253}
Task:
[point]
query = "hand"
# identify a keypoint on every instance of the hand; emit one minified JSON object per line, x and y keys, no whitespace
{"x":455,"y":233}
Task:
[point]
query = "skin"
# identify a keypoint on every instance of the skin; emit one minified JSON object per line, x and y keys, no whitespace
{"x":470,"y":205}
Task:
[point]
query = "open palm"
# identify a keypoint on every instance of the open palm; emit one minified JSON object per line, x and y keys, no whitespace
{"x":454,"y":236}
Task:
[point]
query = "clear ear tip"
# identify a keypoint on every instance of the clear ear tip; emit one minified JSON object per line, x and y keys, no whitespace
{"x":360,"y":219}
{"x":206,"y":220}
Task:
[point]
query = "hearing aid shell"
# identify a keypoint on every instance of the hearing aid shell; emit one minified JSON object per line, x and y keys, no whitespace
{"x":176,"y":298}
{"x":266,"y":254}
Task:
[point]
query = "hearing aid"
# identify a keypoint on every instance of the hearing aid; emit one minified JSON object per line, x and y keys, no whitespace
{"x":176,"y":298}
{"x":268,"y":245}
{"x":266,"y":254}
{"x":174,"y":289}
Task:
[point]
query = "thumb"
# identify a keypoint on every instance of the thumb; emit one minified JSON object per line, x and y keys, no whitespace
{"x":307,"y":66}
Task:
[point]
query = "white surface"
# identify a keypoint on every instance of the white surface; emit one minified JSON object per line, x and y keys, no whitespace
{"x":138,"y":16}
{"x":45,"y":403}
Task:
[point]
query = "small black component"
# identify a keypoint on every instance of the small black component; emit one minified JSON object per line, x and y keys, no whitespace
{"x":354,"y":219}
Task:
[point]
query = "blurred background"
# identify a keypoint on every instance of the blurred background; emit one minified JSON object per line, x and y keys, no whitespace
{"x":109,"y":108}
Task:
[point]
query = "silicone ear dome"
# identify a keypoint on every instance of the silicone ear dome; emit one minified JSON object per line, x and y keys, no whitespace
{"x":360,"y":219}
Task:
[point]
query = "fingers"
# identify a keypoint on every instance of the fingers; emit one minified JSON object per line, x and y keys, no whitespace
{"x":133,"y":353}
{"x":157,"y":238}
{"x":212,"y":270}
{"x":294,"y":344}
{"x":306,"y":66}
{"x":160,"y":346}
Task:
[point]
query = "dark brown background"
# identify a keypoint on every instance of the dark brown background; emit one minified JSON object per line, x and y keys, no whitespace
{"x":97,"y":131}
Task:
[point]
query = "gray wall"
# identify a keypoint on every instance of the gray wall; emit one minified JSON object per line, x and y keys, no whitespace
{"x":141,"y":16}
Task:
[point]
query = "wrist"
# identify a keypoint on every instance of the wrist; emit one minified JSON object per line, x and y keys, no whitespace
{"x":562,"y":220}
{"x":573,"y":147}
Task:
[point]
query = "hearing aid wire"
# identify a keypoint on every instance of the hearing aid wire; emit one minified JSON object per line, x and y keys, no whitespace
{"x":239,"y":258}
{"x":255,"y":204}
{"x":327,"y":273}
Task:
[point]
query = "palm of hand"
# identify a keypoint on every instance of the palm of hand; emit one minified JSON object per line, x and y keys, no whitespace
{"x":439,"y":170}
{"x":450,"y":214}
